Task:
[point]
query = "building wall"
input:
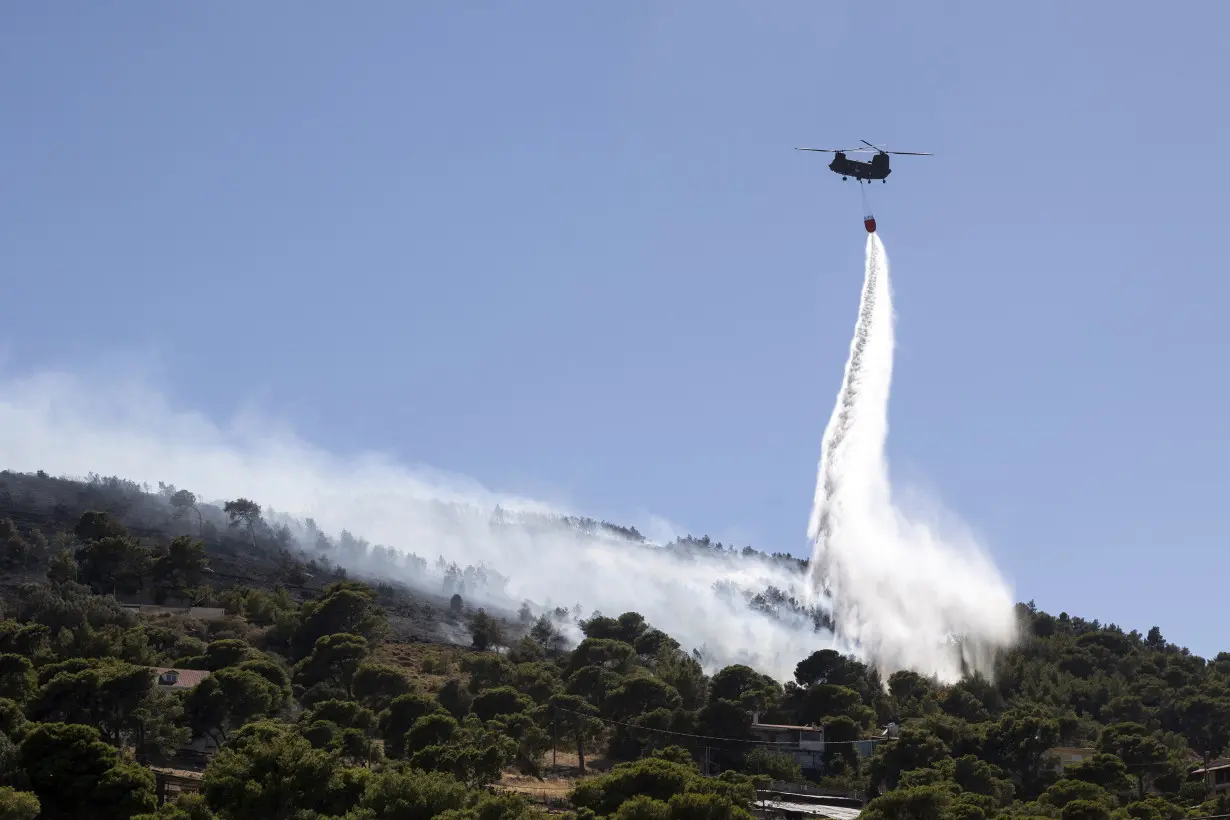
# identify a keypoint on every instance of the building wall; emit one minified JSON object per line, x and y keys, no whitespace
{"x":1218,"y":780}
{"x":1069,"y":756}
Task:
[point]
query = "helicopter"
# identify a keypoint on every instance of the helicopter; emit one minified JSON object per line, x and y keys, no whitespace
{"x":863,"y":171}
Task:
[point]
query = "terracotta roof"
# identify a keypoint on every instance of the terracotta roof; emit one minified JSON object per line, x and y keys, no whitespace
{"x":185,"y":678}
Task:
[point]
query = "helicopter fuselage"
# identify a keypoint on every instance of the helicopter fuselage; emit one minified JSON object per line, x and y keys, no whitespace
{"x":846,"y":167}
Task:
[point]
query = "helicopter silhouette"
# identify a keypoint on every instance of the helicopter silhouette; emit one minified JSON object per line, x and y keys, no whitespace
{"x":877,"y":168}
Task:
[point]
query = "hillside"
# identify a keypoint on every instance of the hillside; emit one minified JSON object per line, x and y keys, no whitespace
{"x":334,"y":695}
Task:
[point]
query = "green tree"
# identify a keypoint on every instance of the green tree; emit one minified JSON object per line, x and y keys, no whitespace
{"x":545,"y":633}
{"x":275,"y":674}
{"x":915,"y":748}
{"x":1144,"y":756}
{"x":403,"y":795}
{"x":725,"y":719}
{"x":657,"y":778}
{"x":1021,"y":744}
{"x":538,"y":680}
{"x":228,"y":699}
{"x":62,"y":568}
{"x":113,"y":564}
{"x":341,"y":713}
{"x":17,"y":678}
{"x":226,"y":652}
{"x":244,"y":512}
{"x":179,"y":567}
{"x":183,"y":501}
{"x":613,"y":655}
{"x":1205,"y":722}
{"x":504,"y":700}
{"x":653,"y":643}
{"x":487,"y":671}
{"x":828,"y":666}
{"x":1105,"y":770}
{"x":95,"y":525}
{"x":269,"y":771}
{"x":1084,"y":810}
{"x":1066,"y":790}
{"x":909,"y":690}
{"x":976,"y":776}
{"x":959,"y":703}
{"x":333,"y":661}
{"x":15,"y":805}
{"x":117,"y":698}
{"x":455,"y":698}
{"x":643,"y":807}
{"x":774,"y":764}
{"x":639,"y":694}
{"x":745,"y":686}
{"x":685,"y":674}
{"x":705,"y":806}
{"x":376,"y":684}
{"x":186,"y":807}
{"x":920,"y":803}
{"x":485,"y":631}
{"x":402,"y":714}
{"x":344,"y":607}
{"x":75,"y":775}
{"x":15,"y":551}
{"x":435,"y":729}
{"x":824,"y":701}
{"x":476,"y":755}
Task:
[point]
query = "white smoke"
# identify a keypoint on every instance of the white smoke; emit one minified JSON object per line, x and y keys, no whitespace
{"x":907,"y":596}
{"x":898,"y":590}
{"x":72,"y":426}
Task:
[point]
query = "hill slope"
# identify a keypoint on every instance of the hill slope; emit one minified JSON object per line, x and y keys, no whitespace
{"x":330,"y":699}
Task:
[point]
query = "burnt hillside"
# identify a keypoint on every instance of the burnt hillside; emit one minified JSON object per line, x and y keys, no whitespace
{"x":44,"y":510}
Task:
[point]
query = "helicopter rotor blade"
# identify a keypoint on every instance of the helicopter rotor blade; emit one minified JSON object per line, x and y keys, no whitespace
{"x":900,"y":153}
{"x":836,"y":150}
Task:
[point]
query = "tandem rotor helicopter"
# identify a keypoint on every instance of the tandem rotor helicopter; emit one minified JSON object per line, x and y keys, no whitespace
{"x":877,"y":168}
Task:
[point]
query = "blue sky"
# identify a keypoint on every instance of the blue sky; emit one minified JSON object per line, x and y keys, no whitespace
{"x":567,"y":249}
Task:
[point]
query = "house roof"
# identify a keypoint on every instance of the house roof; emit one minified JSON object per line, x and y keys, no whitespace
{"x":782,"y":726}
{"x":812,"y":809}
{"x":187,"y":678}
{"x":1213,"y":767}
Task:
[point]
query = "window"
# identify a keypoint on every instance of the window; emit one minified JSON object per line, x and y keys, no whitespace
{"x":169,"y":678}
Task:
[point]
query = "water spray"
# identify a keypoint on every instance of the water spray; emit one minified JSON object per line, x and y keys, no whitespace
{"x":903,"y":594}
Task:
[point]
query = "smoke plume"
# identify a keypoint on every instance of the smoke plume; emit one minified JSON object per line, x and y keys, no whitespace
{"x":896,"y":591}
{"x":905,"y":595}
{"x":416,"y":526}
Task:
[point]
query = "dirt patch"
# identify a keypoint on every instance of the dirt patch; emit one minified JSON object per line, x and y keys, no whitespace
{"x":558,"y":780}
{"x":429,"y":665}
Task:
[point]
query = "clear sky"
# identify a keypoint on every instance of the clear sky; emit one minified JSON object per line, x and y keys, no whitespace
{"x":566,"y":248}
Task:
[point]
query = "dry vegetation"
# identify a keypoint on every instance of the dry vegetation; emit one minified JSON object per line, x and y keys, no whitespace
{"x":557,"y":779}
{"x":428,"y":665}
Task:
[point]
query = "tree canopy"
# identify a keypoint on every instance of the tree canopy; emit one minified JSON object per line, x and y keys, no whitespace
{"x":319,"y":708}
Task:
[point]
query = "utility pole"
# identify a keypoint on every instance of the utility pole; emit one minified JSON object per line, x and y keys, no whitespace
{"x":554,"y":735}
